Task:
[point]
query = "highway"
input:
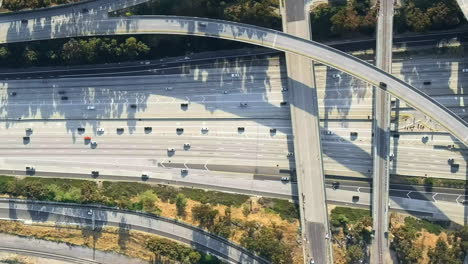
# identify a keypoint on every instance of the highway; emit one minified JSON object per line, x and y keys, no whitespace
{"x":307,"y":145}
{"x":244,"y":33}
{"x":381,"y":127}
{"x":96,"y":217}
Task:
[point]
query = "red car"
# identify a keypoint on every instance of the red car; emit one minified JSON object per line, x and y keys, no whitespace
{"x":87,"y":138}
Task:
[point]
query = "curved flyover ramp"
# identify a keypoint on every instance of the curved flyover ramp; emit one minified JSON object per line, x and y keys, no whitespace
{"x":18,"y":32}
{"x":464,"y":7}
{"x":97,"y":217}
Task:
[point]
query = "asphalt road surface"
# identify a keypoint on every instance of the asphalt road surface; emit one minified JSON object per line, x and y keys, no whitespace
{"x":380,"y":243}
{"x":245,"y":33}
{"x":307,"y":145}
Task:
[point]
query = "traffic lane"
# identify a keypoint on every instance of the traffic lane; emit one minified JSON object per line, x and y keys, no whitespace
{"x":177,"y":25}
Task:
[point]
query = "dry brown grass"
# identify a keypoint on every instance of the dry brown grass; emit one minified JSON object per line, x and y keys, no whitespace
{"x":105,"y":240}
{"x":258,"y":215}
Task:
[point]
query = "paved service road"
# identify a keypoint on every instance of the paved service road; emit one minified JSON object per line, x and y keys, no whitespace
{"x":244,"y":33}
{"x":97,"y":217}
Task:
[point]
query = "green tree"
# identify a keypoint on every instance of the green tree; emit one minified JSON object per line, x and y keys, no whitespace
{"x":204,"y":214}
{"x":354,"y":253}
{"x":403,"y":244}
{"x":417,"y":20}
{"x":443,"y":254}
{"x":4,"y":53}
{"x":90,"y":192}
{"x":148,"y":200}
{"x":267,"y":243}
{"x":345,"y":20}
{"x":181,"y":204}
{"x":132,"y":48}
{"x":72,"y":52}
{"x":30,"y":56}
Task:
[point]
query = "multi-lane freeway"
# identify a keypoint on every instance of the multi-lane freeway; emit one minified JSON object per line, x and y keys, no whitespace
{"x":17,"y":32}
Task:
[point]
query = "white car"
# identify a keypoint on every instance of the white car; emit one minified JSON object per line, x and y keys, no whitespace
{"x":235,"y":75}
{"x":169,"y":88}
{"x":465,"y":70}
{"x":91,"y":107}
{"x":170,"y":149}
{"x":336,"y":75}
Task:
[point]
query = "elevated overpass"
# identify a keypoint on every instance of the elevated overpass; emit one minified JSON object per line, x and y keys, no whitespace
{"x":20,"y":32}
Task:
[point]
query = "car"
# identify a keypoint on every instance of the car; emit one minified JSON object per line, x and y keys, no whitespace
{"x":427,"y":82}
{"x":465,"y":70}
{"x":145,"y":176}
{"x":243,"y":104}
{"x":24,"y":21}
{"x":134,"y":106}
{"x":391,"y":156}
{"x":187,"y":145}
{"x":61,"y":92}
{"x":184,"y":171}
{"x":328,"y":132}
{"x":29,"y":130}
{"x":81,"y":129}
{"x":285,"y":179}
{"x":90,"y":212}
{"x":312,"y":261}
{"x":30,"y":168}
{"x":100,"y":130}
{"x":12,"y":93}
{"x":336,"y":75}
{"x":26,"y":139}
{"x":451,"y":161}
{"x":148,"y":129}
{"x":327,"y":236}
{"x":179,"y":130}
{"x":204,"y":129}
{"x":235,"y":75}
{"x":355,"y":199}
{"x":120,"y":130}
{"x":202,"y":24}
{"x":283,"y":103}
{"x":95,"y":173}
{"x":169,"y":88}
{"x":241,"y":129}
{"x":290,"y":154}
{"x":284,"y":89}
{"x":85,"y":10}
{"x":272,"y":130}
{"x":93,"y":143}
{"x":64,"y":98}
{"x":184,"y":105}
{"x":91,"y":107}
{"x":170,"y":150}
{"x":383,"y":85}
{"x":225,"y":92}
{"x":87,"y":138}
{"x":335,"y":185}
